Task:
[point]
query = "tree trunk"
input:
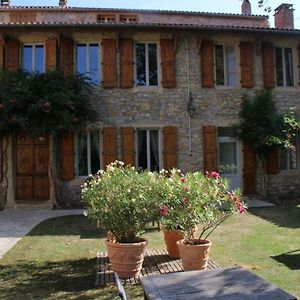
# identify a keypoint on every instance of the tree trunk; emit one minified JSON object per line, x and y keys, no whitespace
{"x":262,"y":171}
{"x":53,"y":181}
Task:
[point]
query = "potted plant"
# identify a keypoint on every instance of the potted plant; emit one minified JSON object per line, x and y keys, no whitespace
{"x":203,"y":200}
{"x":123,"y":201}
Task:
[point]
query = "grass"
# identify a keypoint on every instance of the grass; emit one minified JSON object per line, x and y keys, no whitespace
{"x":57,"y":259}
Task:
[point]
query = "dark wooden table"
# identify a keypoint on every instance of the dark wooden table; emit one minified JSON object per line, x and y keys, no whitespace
{"x":221,"y":284}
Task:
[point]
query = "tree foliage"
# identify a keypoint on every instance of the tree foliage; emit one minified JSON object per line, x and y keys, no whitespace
{"x":43,"y":103}
{"x":262,"y":127}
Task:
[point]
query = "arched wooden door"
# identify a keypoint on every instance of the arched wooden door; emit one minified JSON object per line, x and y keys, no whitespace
{"x":32,"y":162}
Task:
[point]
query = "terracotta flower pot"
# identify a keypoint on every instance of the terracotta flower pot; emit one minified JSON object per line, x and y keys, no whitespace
{"x":126,"y":259}
{"x":171,"y":238}
{"x":194,"y":256}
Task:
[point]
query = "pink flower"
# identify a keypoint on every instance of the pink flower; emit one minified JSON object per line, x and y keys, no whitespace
{"x":164,"y":211}
{"x":212,"y":174}
{"x":183,"y":179}
{"x":186,"y":200}
{"x":240,"y":207}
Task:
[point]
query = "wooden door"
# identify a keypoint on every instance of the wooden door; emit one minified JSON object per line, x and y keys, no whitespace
{"x":32,"y":161}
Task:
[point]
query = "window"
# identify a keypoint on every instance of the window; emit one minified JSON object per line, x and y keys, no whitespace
{"x":88,"y":152}
{"x":33,"y":58}
{"x":284,"y":66}
{"x":148,"y":152}
{"x":106,"y":19}
{"x":289,"y":157}
{"x":225,"y":65}
{"x":87,"y":61}
{"x":146,"y":64}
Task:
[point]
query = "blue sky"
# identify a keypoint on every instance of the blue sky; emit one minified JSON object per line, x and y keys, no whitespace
{"x":227,"y":6}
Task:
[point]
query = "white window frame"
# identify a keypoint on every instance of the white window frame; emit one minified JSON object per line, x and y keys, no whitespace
{"x":34,"y":45}
{"x":225,"y":65}
{"x":87,"y":44}
{"x":284,"y":67}
{"x":147,"y":63}
{"x":88,"y":147}
{"x":147,"y":129}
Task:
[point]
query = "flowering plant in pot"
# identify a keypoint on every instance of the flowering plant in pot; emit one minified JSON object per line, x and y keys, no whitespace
{"x":123,"y":201}
{"x":203,"y":200}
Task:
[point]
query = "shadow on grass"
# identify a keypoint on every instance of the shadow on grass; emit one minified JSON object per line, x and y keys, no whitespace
{"x":283,"y":216}
{"x":290,"y":259}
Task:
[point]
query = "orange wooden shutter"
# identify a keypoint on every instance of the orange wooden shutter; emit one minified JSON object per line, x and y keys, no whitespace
{"x":67,"y":157}
{"x":268,"y":65}
{"x":170,"y":147}
{"x":126,"y":63}
{"x":109,"y":63}
{"x":67,"y":55}
{"x":2,"y":43}
{"x":249,"y":171}
{"x":247,"y":64}
{"x":12,"y":55}
{"x":128,"y":146}
{"x":51,"y":53}
{"x":207,"y":63}
{"x":168,"y":63}
{"x":299,"y":64}
{"x":273,"y":161}
{"x":109,"y":145}
{"x":210,"y":148}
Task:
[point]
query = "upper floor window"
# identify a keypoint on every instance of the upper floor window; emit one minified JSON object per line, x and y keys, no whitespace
{"x":225,"y":65}
{"x":284,"y":66}
{"x":146,"y":64}
{"x":87,"y":61}
{"x":87,"y":152}
{"x":289,"y":157}
{"x":33,"y":58}
{"x":148,"y":152}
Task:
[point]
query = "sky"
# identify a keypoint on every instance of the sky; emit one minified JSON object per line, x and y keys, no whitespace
{"x":219,"y":6}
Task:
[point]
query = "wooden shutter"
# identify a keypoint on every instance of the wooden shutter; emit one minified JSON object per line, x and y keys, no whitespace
{"x":128,"y":146}
{"x":273,"y":161}
{"x":67,"y":55}
{"x":126,"y":63}
{"x":51,"y":53}
{"x":268,"y":65}
{"x":67,"y":153}
{"x":2,"y":44}
{"x":168,"y":63}
{"x":109,"y":63}
{"x":249,"y":171}
{"x":207,"y":63}
{"x":109,"y":145}
{"x":170,"y":147}
{"x":210,"y":148}
{"x":12,"y":55}
{"x":298,"y":64}
{"x":247,"y":64}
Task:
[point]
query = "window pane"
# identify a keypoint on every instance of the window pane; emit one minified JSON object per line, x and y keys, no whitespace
{"x":279,"y":66}
{"x":82,"y":154}
{"x":142,"y":149}
{"x":81,"y":59}
{"x":39,"y":59}
{"x":154,"y":150}
{"x":288,"y":55}
{"x":27,"y":58}
{"x":231,"y":66}
{"x":94,"y":62}
{"x":140,"y":64}
{"x":152,"y":52}
{"x":227,"y":158}
{"x":95,"y":152}
{"x":219,"y":58}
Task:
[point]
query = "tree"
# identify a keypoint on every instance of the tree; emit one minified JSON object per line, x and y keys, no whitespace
{"x":44,"y":104}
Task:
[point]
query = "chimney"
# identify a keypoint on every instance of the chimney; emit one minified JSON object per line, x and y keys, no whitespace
{"x":246,"y":7}
{"x":63,"y":3}
{"x":284,"y":16}
{"x":5,"y":2}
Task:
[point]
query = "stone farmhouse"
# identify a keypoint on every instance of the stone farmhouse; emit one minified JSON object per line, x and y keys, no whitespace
{"x":169,"y":88}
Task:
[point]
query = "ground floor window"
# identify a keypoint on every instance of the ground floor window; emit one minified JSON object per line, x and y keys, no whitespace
{"x":87,"y":152}
{"x":148,"y":152}
{"x":289,"y":157}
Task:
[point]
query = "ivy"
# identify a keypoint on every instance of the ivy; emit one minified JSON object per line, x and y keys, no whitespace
{"x":44,"y":103}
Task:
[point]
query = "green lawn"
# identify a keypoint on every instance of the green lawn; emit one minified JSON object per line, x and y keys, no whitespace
{"x":57,"y":259}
